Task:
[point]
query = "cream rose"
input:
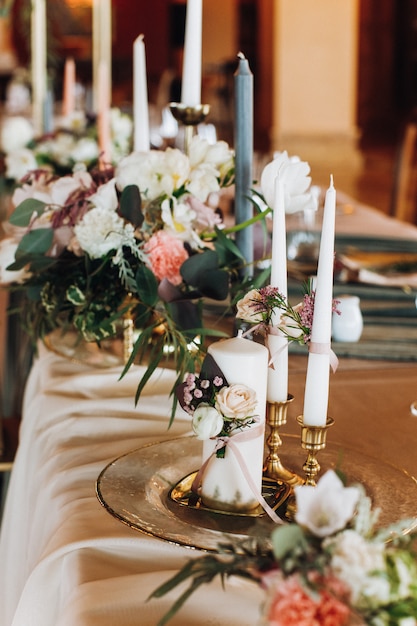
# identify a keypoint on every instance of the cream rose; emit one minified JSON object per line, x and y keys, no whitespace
{"x":247,"y":307}
{"x":207,"y":422}
{"x":236,"y":402}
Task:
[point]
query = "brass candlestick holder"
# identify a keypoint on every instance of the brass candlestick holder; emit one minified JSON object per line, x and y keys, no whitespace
{"x":276,"y":416}
{"x":190,"y":117}
{"x":313,"y":439}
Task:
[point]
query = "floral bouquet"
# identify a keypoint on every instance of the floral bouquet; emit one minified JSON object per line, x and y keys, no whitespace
{"x":331,"y":567}
{"x":144,"y":239}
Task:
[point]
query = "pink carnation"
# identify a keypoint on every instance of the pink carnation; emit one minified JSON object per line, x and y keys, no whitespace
{"x":290,"y":605}
{"x":166,"y":255}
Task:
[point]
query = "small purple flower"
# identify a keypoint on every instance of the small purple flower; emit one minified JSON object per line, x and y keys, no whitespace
{"x":204,"y":384}
{"x":187,"y":397}
{"x":217,"y":381}
{"x":198,"y":393}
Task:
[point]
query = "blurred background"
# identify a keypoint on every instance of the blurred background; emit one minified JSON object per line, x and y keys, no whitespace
{"x":335,"y":82}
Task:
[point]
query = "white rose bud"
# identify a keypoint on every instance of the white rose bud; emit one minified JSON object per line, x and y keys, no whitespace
{"x":207,"y":422}
{"x":236,"y":402}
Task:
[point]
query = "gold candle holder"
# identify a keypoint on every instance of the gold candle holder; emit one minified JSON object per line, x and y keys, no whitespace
{"x":313,"y":439}
{"x":276,"y":416}
{"x":190,"y":117}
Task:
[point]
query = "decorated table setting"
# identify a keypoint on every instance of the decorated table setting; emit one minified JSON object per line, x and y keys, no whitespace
{"x":186,"y":419}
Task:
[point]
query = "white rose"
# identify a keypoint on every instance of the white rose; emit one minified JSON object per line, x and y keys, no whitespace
{"x":326,"y":508}
{"x":207,"y":422}
{"x":16,"y":133}
{"x":236,"y":401}
{"x":294,"y":176}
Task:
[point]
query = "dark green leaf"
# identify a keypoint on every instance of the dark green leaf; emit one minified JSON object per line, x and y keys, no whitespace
{"x":23,"y":213}
{"x":214,"y":284}
{"x":131,"y":205}
{"x":35,"y":242}
{"x":196,"y":265}
{"x":147,"y":285}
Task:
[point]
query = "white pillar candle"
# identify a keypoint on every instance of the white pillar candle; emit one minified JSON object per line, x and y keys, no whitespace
{"x":141,"y":140}
{"x":278,"y":343}
{"x":102,"y":48}
{"x":191,"y":69}
{"x":316,"y":395}
{"x":224,"y":483}
{"x":243,"y":136}
{"x":68,"y":96}
{"x":38,"y":64}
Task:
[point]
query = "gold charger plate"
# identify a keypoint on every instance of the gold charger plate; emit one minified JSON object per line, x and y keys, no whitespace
{"x":135,"y":489}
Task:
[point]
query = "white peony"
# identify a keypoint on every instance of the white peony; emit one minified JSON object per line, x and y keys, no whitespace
{"x":207,"y":422}
{"x":19,"y":163}
{"x":326,"y":508}
{"x":294,"y":176}
{"x":16,"y":133}
{"x":101,"y":231}
{"x":218,"y":155}
{"x":106,"y":197}
{"x":203,"y":181}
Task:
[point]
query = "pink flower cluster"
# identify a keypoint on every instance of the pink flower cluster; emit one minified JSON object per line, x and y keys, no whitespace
{"x":166,"y":254}
{"x":291,"y":605}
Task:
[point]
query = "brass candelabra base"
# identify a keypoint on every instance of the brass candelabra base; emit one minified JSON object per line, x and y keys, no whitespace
{"x":190,"y":117}
{"x":313,"y":439}
{"x":276,"y":416}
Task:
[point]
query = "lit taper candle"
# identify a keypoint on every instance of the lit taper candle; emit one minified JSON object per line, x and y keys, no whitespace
{"x":191,"y":69}
{"x":278,"y":343}
{"x":243,"y":81}
{"x":316,"y":396}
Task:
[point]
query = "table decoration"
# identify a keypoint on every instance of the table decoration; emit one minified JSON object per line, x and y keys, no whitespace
{"x":190,"y":117}
{"x":331,"y":566}
{"x":313,"y":439}
{"x":148,"y":489}
{"x":269,"y":311}
{"x":38,"y":63}
{"x":141,"y":140}
{"x":228,"y":415}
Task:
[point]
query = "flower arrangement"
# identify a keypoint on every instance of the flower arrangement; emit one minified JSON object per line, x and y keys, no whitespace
{"x":331,"y":567}
{"x":217,"y":408}
{"x":144,"y":238}
{"x":259,"y":305}
{"x":74,"y":142}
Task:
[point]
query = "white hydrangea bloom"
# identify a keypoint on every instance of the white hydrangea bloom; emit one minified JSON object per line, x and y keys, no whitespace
{"x":101,"y":231}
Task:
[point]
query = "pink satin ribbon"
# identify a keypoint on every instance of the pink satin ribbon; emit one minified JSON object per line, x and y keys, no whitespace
{"x":324,"y":348}
{"x":231,"y":443}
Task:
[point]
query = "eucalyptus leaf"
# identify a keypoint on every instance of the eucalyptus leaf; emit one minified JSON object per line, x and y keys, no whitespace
{"x":23,"y":213}
{"x":36,"y":241}
{"x":193,"y":267}
{"x":285,"y":538}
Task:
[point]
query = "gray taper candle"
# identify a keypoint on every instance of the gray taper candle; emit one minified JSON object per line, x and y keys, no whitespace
{"x":243,"y":80}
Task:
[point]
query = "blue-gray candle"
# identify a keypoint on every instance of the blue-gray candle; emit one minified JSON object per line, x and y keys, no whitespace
{"x":243,"y":158}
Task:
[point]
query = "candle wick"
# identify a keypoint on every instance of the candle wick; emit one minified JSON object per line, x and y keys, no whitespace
{"x":241,"y":55}
{"x":331,"y":180}
{"x":141,"y":37}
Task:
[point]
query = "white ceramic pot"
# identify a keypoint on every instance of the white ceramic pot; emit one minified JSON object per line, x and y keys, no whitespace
{"x":347,"y":326}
